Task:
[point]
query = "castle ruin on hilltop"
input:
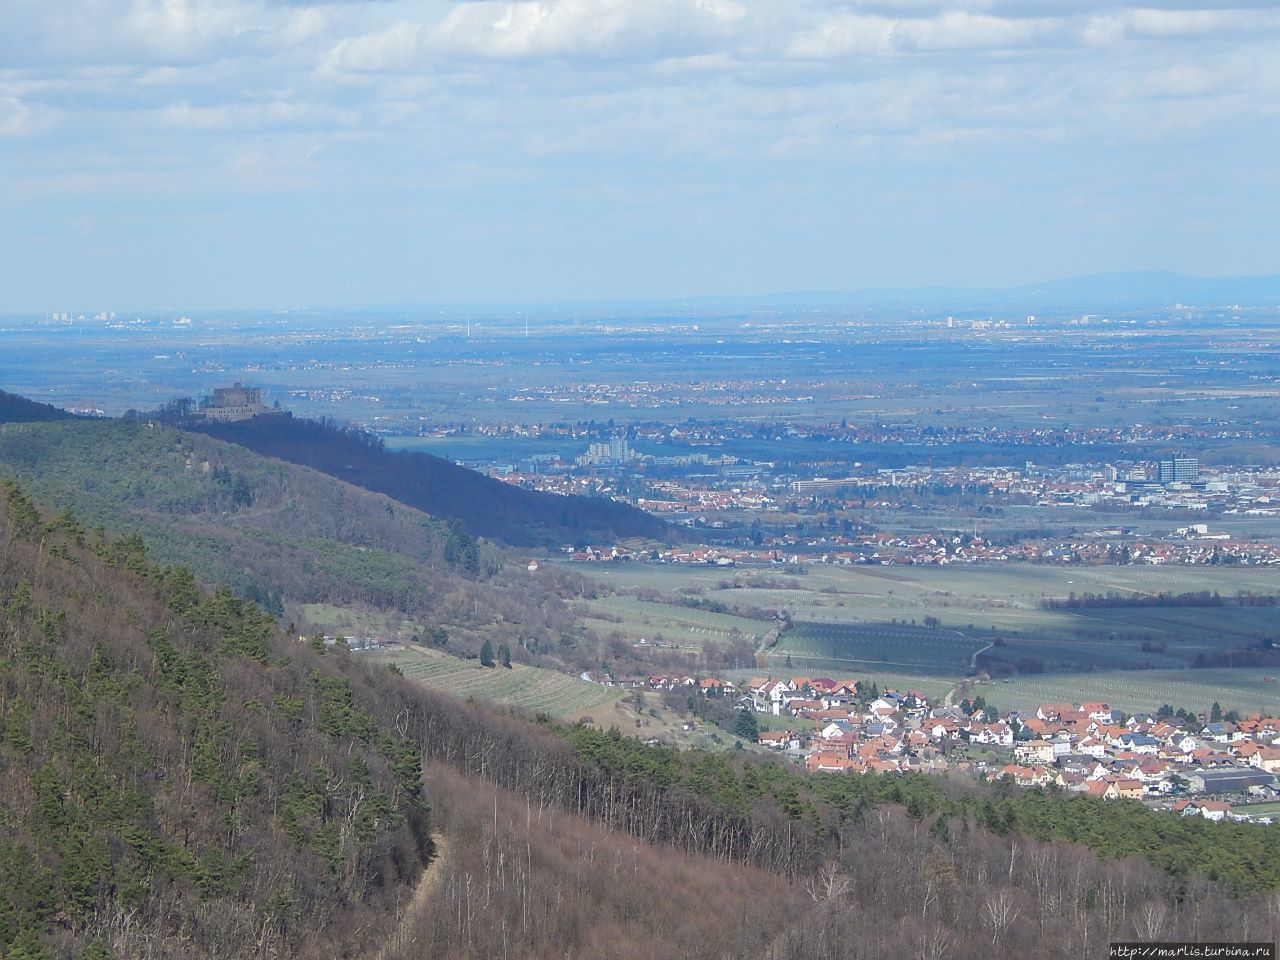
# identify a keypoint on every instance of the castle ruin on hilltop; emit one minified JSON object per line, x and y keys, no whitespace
{"x":233,"y":403}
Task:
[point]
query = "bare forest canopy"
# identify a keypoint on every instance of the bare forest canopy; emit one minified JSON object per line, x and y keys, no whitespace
{"x":487,"y":507}
{"x":181,"y":779}
{"x":177,"y":780}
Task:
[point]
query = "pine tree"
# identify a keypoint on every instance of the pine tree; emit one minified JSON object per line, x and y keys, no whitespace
{"x":486,"y":654}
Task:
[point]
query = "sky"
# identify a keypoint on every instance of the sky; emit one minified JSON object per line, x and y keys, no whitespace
{"x":186,"y":154}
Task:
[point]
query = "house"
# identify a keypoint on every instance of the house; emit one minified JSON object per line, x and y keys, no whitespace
{"x":1054,"y":711}
{"x":1092,"y":747}
{"x":1268,"y":759}
{"x":711,"y":686}
{"x":1026,"y":776}
{"x":778,"y":740}
{"x":1139,"y":743}
{"x":1209,"y":809}
{"x":801,"y":707}
{"x":941,"y":728}
{"x":1102,"y":789}
{"x":837,"y":730}
{"x":1033,"y":751}
{"x":1128,"y":788}
{"x":773,"y":695}
{"x":998,"y":734}
{"x":1218,"y":732}
{"x":1040,"y":729}
{"x":828,"y":762}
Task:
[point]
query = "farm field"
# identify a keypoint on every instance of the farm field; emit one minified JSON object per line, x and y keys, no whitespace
{"x":686,"y":626}
{"x":992,"y":601}
{"x":1257,"y":809}
{"x":844,"y":648}
{"x":532,"y":688}
{"x":1141,"y":690}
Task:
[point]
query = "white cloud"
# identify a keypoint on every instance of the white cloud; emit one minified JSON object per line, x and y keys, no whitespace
{"x":851,"y":34}
{"x":588,"y":29}
{"x":681,"y":80}
{"x":223,"y":117}
{"x":19,"y":119}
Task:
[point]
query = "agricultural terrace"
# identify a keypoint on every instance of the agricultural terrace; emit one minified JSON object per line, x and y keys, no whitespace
{"x":843,"y":648}
{"x":532,"y":688}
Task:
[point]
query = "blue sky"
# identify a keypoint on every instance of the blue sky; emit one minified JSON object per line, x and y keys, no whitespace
{"x":190,"y":153}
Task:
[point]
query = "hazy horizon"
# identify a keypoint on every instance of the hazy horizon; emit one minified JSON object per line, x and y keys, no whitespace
{"x":239,"y":153}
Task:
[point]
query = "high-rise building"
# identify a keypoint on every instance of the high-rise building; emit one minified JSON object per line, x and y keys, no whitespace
{"x":1179,"y":470}
{"x":616,"y":450}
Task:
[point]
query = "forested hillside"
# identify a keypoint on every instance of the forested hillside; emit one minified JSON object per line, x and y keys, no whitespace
{"x":16,"y":409}
{"x":487,"y":507}
{"x":177,"y":780}
{"x":280,"y":533}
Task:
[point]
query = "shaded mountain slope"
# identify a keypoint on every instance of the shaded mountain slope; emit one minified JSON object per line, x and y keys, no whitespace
{"x":488,"y":507}
{"x":177,"y":779}
{"x":279,"y":533}
{"x":16,"y":409}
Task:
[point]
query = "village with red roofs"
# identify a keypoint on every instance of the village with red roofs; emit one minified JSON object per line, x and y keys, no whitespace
{"x":1209,"y":766}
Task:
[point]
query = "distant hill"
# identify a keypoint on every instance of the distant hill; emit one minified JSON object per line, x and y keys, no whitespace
{"x":16,"y":409}
{"x":488,"y":507}
{"x":283,"y":534}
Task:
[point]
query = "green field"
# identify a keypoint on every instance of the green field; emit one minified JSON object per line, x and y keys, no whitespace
{"x":1141,"y":690}
{"x":685,"y":626}
{"x":532,"y":688}
{"x":990,"y":601}
{"x":852,"y":647}
{"x":352,"y":621}
{"x":1258,"y":809}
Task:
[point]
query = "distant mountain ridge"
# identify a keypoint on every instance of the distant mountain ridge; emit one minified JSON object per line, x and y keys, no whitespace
{"x":16,"y":409}
{"x":487,"y":507}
